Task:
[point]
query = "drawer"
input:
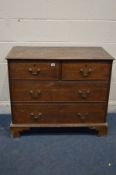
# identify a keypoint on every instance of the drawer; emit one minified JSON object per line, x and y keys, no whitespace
{"x":39,"y":70}
{"x":59,"y":113}
{"x":92,"y":70}
{"x":58,"y":91}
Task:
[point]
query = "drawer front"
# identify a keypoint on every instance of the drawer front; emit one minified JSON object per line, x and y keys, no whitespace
{"x":59,"y":113}
{"x":58,"y":91}
{"x":86,"y":70}
{"x":34,"y":70}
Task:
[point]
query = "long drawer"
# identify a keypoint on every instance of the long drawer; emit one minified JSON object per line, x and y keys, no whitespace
{"x":58,"y":113}
{"x":58,"y":91}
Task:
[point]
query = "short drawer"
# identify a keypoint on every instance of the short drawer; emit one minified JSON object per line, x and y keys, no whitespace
{"x":34,"y":70}
{"x":58,"y":91}
{"x":92,"y":70}
{"x":59,"y":113}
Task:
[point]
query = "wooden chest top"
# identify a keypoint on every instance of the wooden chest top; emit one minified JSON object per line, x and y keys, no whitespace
{"x":59,"y":53}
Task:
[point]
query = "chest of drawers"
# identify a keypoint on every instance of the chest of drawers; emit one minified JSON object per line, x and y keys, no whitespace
{"x":59,"y":87}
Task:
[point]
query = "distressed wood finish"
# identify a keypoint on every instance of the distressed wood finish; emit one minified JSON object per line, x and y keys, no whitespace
{"x":58,"y":53}
{"x":59,"y":87}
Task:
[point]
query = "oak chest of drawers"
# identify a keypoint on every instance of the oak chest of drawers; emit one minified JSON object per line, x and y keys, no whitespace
{"x":59,"y":87}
